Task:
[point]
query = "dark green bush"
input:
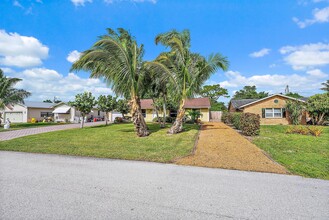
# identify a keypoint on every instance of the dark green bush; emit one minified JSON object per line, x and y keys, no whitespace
{"x":118,"y":120}
{"x":236,"y":120}
{"x":227,"y":117}
{"x":250,"y":124}
{"x":168,"y":119}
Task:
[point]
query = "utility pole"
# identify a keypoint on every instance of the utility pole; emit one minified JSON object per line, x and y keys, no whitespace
{"x":286,"y":91}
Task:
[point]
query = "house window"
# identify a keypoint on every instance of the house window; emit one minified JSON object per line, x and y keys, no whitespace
{"x":144,"y":113}
{"x":46,"y":114}
{"x":173,"y":113}
{"x":273,"y":113}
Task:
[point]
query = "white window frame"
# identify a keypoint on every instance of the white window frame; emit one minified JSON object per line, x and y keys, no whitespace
{"x":273,"y":113}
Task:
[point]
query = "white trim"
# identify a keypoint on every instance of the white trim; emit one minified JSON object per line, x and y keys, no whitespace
{"x":271,"y":97}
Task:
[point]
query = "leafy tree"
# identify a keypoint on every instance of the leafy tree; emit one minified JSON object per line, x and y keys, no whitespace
{"x":194,"y":115}
{"x":325,"y":86}
{"x":295,"y":110}
{"x":187,"y":71}
{"x":218,"y":106}
{"x":48,"y":101}
{"x":249,"y":92}
{"x":294,"y":95}
{"x":214,"y":92}
{"x":107,"y":104}
{"x":84,"y":103}
{"x":318,"y":107}
{"x":9,"y":94}
{"x":123,"y":107}
{"x":118,"y":59}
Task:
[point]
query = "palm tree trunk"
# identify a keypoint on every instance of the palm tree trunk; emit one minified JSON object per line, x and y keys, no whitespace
{"x":178,"y":124}
{"x":156,"y":111}
{"x":164,"y":113}
{"x":106,"y":114}
{"x":138,"y":118}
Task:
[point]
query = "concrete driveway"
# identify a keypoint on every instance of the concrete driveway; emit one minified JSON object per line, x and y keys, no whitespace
{"x":36,"y":186}
{"x":8,"y":135}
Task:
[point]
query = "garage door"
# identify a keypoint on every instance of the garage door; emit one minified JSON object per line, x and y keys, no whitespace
{"x":14,"y":116}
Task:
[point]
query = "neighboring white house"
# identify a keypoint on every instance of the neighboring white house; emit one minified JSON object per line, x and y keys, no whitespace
{"x":18,"y":113}
{"x":65,"y":113}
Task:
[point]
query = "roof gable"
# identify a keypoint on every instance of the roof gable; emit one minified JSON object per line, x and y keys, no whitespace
{"x":271,"y":96}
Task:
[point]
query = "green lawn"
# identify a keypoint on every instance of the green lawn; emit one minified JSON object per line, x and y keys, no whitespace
{"x":18,"y":126}
{"x":301,"y":154}
{"x":114,"y":141}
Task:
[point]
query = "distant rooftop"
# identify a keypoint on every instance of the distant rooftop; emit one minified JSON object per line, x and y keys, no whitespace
{"x":31,"y":104}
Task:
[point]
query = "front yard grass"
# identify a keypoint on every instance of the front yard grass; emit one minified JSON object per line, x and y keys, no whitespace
{"x":114,"y":141}
{"x":304,"y":155}
{"x":19,"y":126}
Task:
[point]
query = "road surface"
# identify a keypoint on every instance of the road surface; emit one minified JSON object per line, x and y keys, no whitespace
{"x":37,"y":186}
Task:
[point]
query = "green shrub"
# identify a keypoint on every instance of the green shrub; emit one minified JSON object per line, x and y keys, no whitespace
{"x":305,"y":130}
{"x":250,"y":124}
{"x":168,"y":119}
{"x":118,"y":120}
{"x":236,"y":120}
{"x":227,"y":117}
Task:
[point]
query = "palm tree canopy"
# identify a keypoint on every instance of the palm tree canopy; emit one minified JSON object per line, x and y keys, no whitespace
{"x":117,"y":59}
{"x":325,"y":86}
{"x":9,"y":94}
{"x":189,"y":70}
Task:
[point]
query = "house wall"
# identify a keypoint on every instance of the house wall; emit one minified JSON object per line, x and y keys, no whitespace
{"x":269,"y":103}
{"x":36,"y":113}
{"x":204,"y":111}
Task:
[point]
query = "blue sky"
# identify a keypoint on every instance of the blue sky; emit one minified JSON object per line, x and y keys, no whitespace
{"x":269,"y":44}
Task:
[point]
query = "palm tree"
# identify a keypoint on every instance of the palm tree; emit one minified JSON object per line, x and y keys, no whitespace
{"x":325,"y":86}
{"x":8,"y":94}
{"x":188,"y":70}
{"x":118,"y":60}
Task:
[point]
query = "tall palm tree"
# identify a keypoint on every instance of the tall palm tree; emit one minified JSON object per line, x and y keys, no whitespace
{"x":325,"y":86}
{"x":9,"y":94}
{"x":118,"y":60}
{"x":189,"y":70}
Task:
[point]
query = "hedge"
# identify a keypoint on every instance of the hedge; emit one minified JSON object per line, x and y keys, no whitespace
{"x":248,"y":123}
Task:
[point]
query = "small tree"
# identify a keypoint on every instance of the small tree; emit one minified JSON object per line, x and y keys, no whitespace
{"x":107,"y":104}
{"x":318,"y":107}
{"x":84,"y":102}
{"x":295,"y":110}
{"x":194,"y":115}
{"x":123,"y":107}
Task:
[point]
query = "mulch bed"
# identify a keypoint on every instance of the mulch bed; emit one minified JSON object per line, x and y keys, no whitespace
{"x":219,"y":146}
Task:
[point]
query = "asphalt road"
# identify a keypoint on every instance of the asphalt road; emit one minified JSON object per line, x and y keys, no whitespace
{"x":36,"y":186}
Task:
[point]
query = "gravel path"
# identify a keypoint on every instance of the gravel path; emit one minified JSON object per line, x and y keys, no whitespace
{"x":220,"y":146}
{"x":41,"y":186}
{"x":8,"y":135}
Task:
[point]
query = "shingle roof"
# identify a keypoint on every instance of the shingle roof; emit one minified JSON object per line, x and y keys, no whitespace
{"x":237,"y":103}
{"x":189,"y":103}
{"x":31,"y":104}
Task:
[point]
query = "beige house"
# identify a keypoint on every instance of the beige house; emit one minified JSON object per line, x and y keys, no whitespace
{"x":271,"y":109}
{"x":200,"y":104}
{"x":64,"y":113}
{"x":18,"y":113}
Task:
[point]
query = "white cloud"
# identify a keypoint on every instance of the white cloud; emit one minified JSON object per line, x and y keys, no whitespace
{"x":275,"y":83}
{"x":319,"y":16}
{"x":73,"y":56}
{"x":306,"y":56}
{"x":80,"y":2}
{"x":317,"y":73}
{"x":46,"y":83}
{"x":260,"y":53}
{"x":17,"y":4}
{"x":21,"y":51}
